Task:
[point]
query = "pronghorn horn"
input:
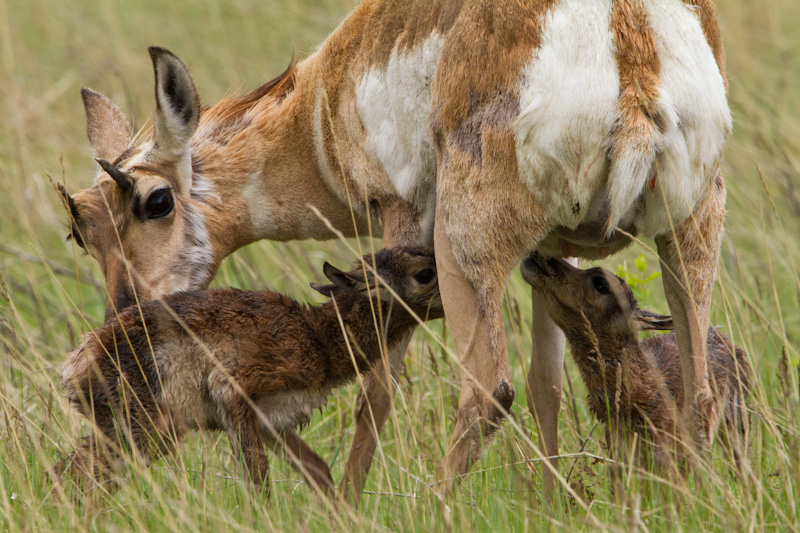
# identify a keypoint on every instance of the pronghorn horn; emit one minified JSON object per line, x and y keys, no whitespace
{"x":70,"y":203}
{"x":119,"y":176}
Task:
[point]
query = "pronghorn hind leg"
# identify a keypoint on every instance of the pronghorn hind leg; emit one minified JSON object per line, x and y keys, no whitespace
{"x":476,"y":321}
{"x":486,"y":222}
{"x":689,"y":258}
{"x":543,"y":388}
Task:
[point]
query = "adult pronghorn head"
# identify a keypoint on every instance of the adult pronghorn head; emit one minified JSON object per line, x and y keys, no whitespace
{"x":142,"y":221}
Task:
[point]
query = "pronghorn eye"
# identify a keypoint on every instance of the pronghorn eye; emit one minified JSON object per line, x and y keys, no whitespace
{"x":600,"y":284}
{"x":425,"y":276}
{"x":160,"y":203}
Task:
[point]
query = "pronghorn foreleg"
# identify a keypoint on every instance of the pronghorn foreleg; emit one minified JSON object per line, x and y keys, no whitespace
{"x":374,"y":407}
{"x":689,"y":256}
{"x":401,"y":227}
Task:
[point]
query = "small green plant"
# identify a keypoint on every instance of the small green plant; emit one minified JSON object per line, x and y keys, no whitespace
{"x":637,"y":280}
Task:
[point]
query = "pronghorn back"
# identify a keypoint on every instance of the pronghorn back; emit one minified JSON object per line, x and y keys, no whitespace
{"x":591,"y":115}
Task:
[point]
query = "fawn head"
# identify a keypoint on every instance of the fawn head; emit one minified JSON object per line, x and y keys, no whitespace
{"x":140,"y":221}
{"x":409,"y":272}
{"x":573,"y":296}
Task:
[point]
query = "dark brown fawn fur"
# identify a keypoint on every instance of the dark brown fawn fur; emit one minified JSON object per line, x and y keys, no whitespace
{"x":253,"y":363}
{"x":633,"y":385}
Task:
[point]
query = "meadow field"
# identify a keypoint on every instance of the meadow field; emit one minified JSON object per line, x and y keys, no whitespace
{"x":51,"y":293}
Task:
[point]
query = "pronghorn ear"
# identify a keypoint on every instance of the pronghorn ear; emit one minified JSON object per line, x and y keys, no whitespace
{"x":109,"y":132}
{"x":177,"y":106}
{"x":648,"y":320}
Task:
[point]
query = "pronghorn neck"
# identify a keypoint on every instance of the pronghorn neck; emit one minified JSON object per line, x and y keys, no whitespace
{"x":260,"y":164}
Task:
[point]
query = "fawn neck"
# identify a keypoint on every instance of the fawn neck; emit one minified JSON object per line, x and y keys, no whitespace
{"x":371,"y":329}
{"x":598,"y":354}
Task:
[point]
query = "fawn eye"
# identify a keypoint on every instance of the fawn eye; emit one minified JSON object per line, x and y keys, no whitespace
{"x":75,"y":235}
{"x":600,"y":284}
{"x":425,"y":276}
{"x":160,"y":203}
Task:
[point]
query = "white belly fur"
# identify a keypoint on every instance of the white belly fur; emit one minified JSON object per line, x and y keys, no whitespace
{"x":691,"y":86}
{"x":285,"y":410}
{"x":292,"y":408}
{"x":394,"y":106}
{"x":568,"y":99}
{"x":189,"y":382}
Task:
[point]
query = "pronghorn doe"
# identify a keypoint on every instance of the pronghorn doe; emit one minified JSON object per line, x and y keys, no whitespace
{"x":488,"y":128}
{"x":253,"y":363}
{"x":635,"y":386}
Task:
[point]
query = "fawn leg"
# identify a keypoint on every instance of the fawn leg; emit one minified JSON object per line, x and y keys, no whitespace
{"x":543,"y":386}
{"x":241,"y":423}
{"x":96,"y":458}
{"x":689,"y":256}
{"x":86,"y":466}
{"x":374,"y":406}
{"x":303,"y":459}
{"x":476,"y":322}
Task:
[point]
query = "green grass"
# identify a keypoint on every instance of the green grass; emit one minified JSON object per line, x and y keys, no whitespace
{"x":50,"y":294}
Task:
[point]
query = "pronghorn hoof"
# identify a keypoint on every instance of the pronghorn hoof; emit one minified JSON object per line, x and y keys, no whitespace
{"x":504,"y":394}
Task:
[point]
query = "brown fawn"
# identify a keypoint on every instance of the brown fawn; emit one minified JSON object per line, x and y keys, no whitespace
{"x":252,"y":363}
{"x":488,"y":129}
{"x":634,"y":385}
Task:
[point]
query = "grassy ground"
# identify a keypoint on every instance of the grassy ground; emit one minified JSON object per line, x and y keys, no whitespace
{"x":50,"y":294}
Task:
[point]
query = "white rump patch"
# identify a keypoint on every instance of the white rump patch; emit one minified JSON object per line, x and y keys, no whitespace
{"x":568,"y":100}
{"x":74,"y":369}
{"x":568,"y":103}
{"x":692,"y":89}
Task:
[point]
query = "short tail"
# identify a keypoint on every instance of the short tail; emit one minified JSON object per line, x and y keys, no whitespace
{"x":637,"y":140}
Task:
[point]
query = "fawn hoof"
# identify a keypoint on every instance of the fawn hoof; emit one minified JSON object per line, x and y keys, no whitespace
{"x":703,"y":420}
{"x":707,"y":419}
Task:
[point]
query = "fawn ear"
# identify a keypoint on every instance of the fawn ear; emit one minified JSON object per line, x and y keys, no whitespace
{"x":340,"y":282}
{"x":648,"y":320}
{"x":108,"y":130}
{"x":329,"y":290}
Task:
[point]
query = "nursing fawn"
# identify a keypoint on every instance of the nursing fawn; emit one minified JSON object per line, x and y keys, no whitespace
{"x":634,"y":386}
{"x":252,"y":363}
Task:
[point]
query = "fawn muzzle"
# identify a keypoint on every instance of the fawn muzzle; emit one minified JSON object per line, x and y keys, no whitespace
{"x":536,"y":270}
